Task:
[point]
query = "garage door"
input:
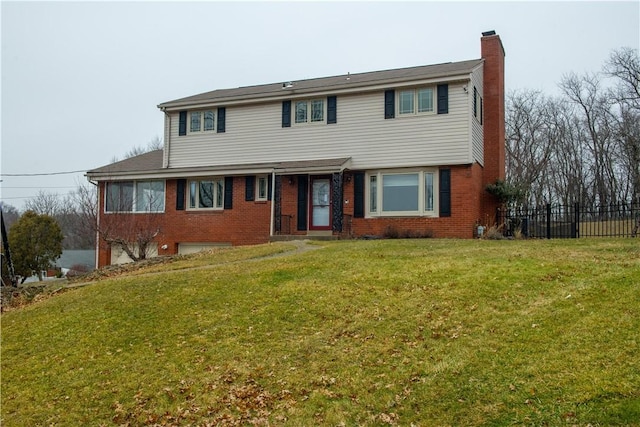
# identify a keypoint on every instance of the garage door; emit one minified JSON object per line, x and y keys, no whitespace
{"x":118,"y":256}
{"x":192,"y":248}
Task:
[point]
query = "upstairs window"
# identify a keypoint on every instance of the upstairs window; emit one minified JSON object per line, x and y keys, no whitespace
{"x":134,"y":196}
{"x":309,"y":111}
{"x":206,"y":194}
{"x":414,"y":101}
{"x":201,"y":121}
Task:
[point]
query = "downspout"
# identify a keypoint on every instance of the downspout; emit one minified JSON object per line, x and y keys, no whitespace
{"x":97,"y":255}
{"x":273,"y":204}
{"x":167,"y":137}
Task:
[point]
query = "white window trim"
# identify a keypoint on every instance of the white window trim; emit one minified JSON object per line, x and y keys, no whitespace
{"x":416,"y":102}
{"x":135,"y":190}
{"x":308,"y":121}
{"x":197,"y":200}
{"x":201,"y":130}
{"x":421,"y":212}
{"x":266,"y":188}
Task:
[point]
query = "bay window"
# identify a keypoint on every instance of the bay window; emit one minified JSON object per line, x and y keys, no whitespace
{"x":402,"y":193}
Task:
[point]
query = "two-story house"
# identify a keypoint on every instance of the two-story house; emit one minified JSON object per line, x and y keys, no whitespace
{"x":404,"y":151}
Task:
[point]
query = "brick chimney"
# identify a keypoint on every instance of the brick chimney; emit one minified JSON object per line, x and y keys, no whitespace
{"x":494,"y":130}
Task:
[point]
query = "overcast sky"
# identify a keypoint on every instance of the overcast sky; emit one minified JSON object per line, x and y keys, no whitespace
{"x":81,"y":81}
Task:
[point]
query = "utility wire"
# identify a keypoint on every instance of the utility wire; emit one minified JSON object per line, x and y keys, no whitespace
{"x":41,"y":174}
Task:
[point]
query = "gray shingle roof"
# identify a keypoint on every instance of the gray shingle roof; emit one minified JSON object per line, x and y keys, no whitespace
{"x":144,"y":162}
{"x":151,"y":164}
{"x":335,"y":83}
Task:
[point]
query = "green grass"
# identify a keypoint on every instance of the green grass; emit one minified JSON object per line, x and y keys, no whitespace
{"x":423,"y":332}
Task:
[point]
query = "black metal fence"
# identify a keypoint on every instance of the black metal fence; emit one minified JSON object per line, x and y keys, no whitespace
{"x":571,"y":221}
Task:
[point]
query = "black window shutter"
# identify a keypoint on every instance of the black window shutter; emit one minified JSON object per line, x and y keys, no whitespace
{"x":181,"y":184}
{"x":332,"y":110}
{"x":286,"y":114}
{"x":269,"y":185}
{"x":302,"y":203}
{"x":443,"y":99}
{"x":389,"y":104}
{"x":480,"y":110}
{"x":182,"y":123}
{"x":249,"y":188}
{"x":445,"y":192}
{"x":358,"y":195}
{"x":228,"y":192}
{"x":222,"y":114}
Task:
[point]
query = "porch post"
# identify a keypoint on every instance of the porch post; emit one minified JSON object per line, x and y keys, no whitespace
{"x":273,"y":204}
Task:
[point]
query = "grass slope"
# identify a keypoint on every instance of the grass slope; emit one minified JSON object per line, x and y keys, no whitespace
{"x":422,"y":332}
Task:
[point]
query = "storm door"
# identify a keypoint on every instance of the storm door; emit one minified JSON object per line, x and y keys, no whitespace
{"x":320,"y":203}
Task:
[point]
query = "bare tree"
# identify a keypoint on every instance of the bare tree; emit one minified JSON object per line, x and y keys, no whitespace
{"x":583,"y":146}
{"x":10,"y":213}
{"x":155,"y":144}
{"x":44,"y":203}
{"x":624,"y":67}
{"x":528,"y":150}
{"x":593,"y":116}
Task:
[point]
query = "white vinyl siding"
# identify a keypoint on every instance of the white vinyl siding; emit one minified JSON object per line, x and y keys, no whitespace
{"x":254,"y":134}
{"x":477,"y":135}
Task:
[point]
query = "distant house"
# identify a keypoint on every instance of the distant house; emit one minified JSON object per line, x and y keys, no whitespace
{"x":409,"y":150}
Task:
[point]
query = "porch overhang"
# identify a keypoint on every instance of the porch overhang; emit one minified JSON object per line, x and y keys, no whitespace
{"x":130,"y":169}
{"x":322,"y":166}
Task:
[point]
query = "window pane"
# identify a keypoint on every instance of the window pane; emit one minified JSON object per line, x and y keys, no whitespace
{"x":208,"y":120}
{"x":406,"y":102}
{"x":156,"y":196}
{"x":219,"y":193}
{"x":262,"y":188}
{"x":428,"y":191}
{"x":193,"y":191}
{"x":142,"y":196}
{"x":425,"y":100}
{"x":205,"y":194}
{"x":373,"y":194}
{"x":301,"y":112}
{"x":400,"y":192}
{"x":195,"y":122}
{"x":119,"y":196}
{"x":317,"y":110}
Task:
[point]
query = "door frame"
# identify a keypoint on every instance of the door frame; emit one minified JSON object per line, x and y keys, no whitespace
{"x":310,"y":206}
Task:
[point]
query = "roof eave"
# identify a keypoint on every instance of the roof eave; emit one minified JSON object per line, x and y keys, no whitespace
{"x":344,"y":88}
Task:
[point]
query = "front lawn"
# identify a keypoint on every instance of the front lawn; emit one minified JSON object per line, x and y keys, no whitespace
{"x":389,"y":332}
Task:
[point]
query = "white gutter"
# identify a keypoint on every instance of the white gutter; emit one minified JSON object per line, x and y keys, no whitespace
{"x":167,"y":138}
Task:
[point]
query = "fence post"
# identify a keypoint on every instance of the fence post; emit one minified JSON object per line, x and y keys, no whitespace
{"x":575,"y":227}
{"x":548,"y":220}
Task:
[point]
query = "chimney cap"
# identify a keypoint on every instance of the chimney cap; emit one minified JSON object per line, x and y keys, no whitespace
{"x":489,"y":33}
